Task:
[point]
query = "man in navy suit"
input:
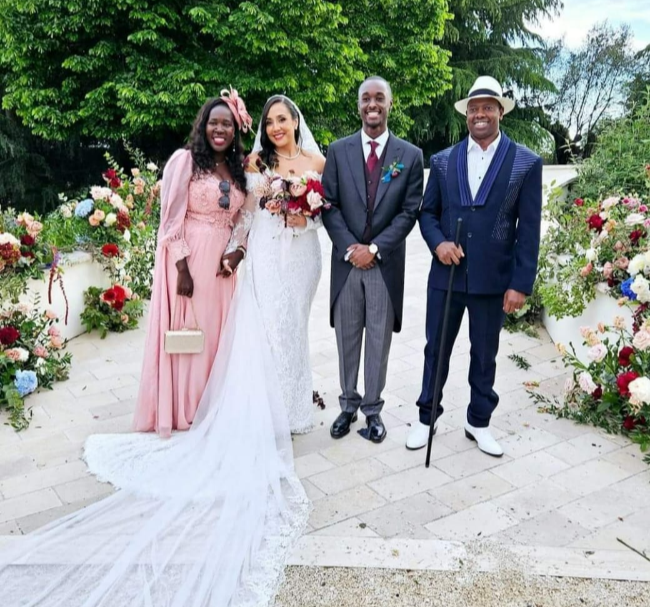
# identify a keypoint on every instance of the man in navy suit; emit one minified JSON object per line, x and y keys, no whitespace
{"x":495,"y":186}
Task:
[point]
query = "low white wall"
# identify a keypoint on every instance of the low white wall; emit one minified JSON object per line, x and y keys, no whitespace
{"x":79,"y":273}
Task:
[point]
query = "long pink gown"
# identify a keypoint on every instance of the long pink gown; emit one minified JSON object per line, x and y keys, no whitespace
{"x":171,"y":386}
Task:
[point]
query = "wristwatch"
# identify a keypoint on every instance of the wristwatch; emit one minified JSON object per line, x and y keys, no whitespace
{"x":373,"y":248}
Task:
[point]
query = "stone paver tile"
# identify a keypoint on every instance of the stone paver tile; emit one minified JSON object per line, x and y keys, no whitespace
{"x":352,"y":527}
{"x":82,"y":489}
{"x":406,"y":413}
{"x":582,"y":448}
{"x":336,"y":508}
{"x":515,"y":380}
{"x":410,"y":482}
{"x":95,"y":400}
{"x":479,"y":521}
{"x":318,"y":440}
{"x":528,"y":441}
{"x":114,"y":409}
{"x":530,"y":468}
{"x":601,"y":508}
{"x":606,"y":538}
{"x":590,"y":477}
{"x":313,"y":492}
{"x":548,"y":529}
{"x":25,"y":505}
{"x":310,"y":464}
{"x":9,"y":528}
{"x":41,"y":479}
{"x":30,"y":523}
{"x":468,"y":463}
{"x":110,"y":369}
{"x":127,"y":392}
{"x":13,"y":466}
{"x":406,"y":518}
{"x":509,"y":402}
{"x":544,"y":352}
{"x":352,"y":447}
{"x":629,"y":458}
{"x":472,"y":490}
{"x":95,"y":386}
{"x":402,"y":458}
{"x":349,"y":475}
{"x":536,"y":499}
{"x":57,"y":456}
{"x":116,"y":424}
{"x":550,"y":368}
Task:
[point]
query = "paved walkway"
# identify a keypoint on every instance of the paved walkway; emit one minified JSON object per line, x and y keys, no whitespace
{"x":559,"y":498}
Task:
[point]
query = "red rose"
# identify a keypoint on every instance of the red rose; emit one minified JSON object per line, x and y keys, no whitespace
{"x":9,"y":335}
{"x":9,"y":253}
{"x":118,"y":305}
{"x":636,"y":235}
{"x":123,"y":221}
{"x":27,"y":241}
{"x":623,"y":382}
{"x":28,"y":254}
{"x":597,"y":394}
{"x":624,"y":356}
{"x":112,"y":179}
{"x":596,"y":222}
{"x":629,"y":423}
{"x":120,"y":293}
{"x":313,"y":185}
{"x":110,"y":250}
{"x":579,"y":202}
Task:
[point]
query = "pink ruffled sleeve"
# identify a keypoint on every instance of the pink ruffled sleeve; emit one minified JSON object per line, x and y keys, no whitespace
{"x":174,"y":199}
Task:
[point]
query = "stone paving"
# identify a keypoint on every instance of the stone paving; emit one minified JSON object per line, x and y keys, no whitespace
{"x":561,"y":491}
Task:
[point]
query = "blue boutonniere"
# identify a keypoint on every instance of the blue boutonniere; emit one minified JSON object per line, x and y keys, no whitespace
{"x":392,"y":171}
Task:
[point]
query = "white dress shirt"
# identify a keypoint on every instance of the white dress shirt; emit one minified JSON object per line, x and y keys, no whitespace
{"x":381,"y":140}
{"x":478,"y":162}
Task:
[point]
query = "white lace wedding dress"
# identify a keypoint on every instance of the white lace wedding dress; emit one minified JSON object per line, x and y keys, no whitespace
{"x":208,"y":517}
{"x":287,"y":265}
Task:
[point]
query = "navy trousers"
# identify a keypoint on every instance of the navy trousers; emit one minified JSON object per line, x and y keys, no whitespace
{"x":486,"y":318}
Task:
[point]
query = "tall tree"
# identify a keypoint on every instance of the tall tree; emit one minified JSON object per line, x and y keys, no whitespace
{"x":490,"y":37}
{"x":141,"y":68}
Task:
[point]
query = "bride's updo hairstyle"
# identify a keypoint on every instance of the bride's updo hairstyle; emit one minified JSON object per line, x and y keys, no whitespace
{"x":267,"y":153}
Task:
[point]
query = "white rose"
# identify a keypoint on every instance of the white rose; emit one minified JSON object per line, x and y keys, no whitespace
{"x":604,"y":215}
{"x":135,"y":172}
{"x":608,"y":203}
{"x":591,"y":254}
{"x":586,"y":382}
{"x":116,"y":200}
{"x":152,"y":167}
{"x":100,"y":193}
{"x":111,"y":218}
{"x":314,"y":200}
{"x":641,"y":340}
{"x":640,"y":391}
{"x":24,"y":307}
{"x":127,"y":236}
{"x":39,"y":362}
{"x":66,"y":211}
{"x":641,"y":287}
{"x":597,"y":353}
{"x":636,"y":265}
{"x":23,"y":354}
{"x":6,"y":238}
{"x":634,"y":219}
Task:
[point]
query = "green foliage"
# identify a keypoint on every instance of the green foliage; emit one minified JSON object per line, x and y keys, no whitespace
{"x":520,"y":361}
{"x":127,"y":69}
{"x":103,"y":316}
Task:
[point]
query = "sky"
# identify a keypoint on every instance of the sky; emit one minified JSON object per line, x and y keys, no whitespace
{"x":579,"y":15}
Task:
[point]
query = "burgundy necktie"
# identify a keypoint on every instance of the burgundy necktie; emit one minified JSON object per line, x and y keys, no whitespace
{"x":372,"y":158}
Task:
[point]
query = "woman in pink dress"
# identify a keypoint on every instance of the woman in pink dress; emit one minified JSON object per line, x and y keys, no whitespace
{"x":203,"y":191}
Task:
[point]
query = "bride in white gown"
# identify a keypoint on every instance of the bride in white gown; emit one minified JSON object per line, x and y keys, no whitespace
{"x":208,"y":517}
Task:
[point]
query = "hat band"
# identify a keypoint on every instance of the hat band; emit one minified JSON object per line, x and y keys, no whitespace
{"x":483,"y":92}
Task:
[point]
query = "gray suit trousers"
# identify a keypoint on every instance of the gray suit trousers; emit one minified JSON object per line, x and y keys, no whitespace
{"x":363,"y":303}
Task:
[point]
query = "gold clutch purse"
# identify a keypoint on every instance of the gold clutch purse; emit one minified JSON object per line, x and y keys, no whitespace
{"x":185,"y":340}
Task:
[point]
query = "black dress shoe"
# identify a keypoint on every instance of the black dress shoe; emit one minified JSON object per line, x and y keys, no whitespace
{"x":341,"y":425}
{"x":376,"y":429}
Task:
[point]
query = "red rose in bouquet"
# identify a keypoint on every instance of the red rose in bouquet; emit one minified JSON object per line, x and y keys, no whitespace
{"x":625,"y":355}
{"x":623,"y":382}
{"x":123,"y":220}
{"x":27,"y":241}
{"x":110,"y":250}
{"x":9,"y":335}
{"x":579,"y":202}
{"x":636,"y":235}
{"x":596,"y":222}
{"x":112,"y":179}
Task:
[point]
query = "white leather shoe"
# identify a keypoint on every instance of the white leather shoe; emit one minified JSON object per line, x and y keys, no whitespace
{"x":419,"y":436}
{"x":484,"y":440}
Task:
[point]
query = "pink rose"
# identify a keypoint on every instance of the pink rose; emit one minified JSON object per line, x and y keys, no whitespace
{"x":641,"y":340}
{"x":99,"y":214}
{"x":51,"y":314}
{"x":138,"y":190}
{"x":13,"y":355}
{"x":587,"y":270}
{"x":53,"y":332}
{"x":608,"y":269}
{"x":93,"y":221}
{"x":56,"y":341}
{"x":314,"y":200}
{"x":41,"y":352}
{"x":619,"y":246}
{"x":621,"y":263}
{"x":297,"y":189}
{"x":643,"y":208}
{"x":34,"y":228}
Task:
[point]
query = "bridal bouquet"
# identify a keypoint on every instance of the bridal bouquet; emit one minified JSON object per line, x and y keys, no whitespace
{"x":292,"y":195}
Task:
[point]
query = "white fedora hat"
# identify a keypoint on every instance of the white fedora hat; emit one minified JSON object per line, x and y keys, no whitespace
{"x":485,"y":86}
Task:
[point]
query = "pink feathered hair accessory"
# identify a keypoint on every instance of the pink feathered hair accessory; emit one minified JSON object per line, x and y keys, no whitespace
{"x":238,"y":108}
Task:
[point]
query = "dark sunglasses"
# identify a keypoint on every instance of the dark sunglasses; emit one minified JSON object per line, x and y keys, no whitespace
{"x":224,"y":201}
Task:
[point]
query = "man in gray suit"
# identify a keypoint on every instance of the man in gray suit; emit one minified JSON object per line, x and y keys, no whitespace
{"x":374,"y":183}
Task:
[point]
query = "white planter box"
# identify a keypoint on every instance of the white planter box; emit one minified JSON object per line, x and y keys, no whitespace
{"x":567,"y":330}
{"x":79,"y":273}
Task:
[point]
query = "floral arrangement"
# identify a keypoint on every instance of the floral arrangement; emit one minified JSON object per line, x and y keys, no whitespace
{"x":116,"y":309}
{"x":290,"y":196}
{"x":391,"y":171}
{"x":588,"y":248}
{"x":31,"y":356}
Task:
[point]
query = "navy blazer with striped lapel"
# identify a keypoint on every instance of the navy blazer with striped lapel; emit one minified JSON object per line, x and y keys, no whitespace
{"x":501,"y":229}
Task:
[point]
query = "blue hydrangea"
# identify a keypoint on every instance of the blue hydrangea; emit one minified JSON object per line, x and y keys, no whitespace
{"x":25,"y":382}
{"x":84,"y":208}
{"x":626,"y":289}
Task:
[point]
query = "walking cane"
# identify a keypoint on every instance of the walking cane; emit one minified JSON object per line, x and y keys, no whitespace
{"x":441,"y":349}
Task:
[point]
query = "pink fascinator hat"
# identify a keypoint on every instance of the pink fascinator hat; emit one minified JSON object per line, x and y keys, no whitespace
{"x":238,"y":108}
